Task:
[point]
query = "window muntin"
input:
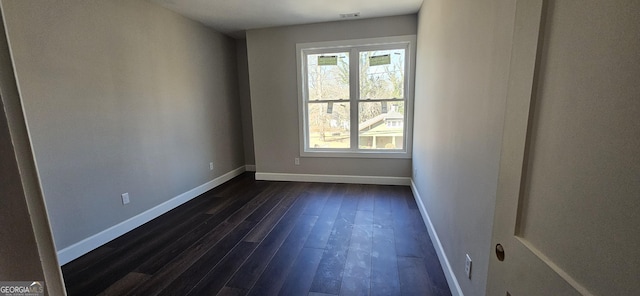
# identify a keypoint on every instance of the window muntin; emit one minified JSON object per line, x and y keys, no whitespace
{"x":368,"y":91}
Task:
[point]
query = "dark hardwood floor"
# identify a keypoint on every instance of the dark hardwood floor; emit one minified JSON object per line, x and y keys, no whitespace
{"x":250,"y":237}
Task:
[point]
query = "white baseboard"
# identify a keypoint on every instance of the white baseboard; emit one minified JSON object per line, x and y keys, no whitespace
{"x":454,"y":286}
{"x":250,"y":167}
{"x":88,"y":244}
{"x":379,"y":180}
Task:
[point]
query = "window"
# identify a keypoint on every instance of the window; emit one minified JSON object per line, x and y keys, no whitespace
{"x":355,"y":97}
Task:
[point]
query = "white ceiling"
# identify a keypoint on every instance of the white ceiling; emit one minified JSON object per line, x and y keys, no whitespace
{"x":233,"y":17}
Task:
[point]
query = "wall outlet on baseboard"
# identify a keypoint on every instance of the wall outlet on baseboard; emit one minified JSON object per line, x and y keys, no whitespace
{"x":125,"y":198}
{"x":467,"y":266}
{"x":211,"y":166}
{"x":296,"y":161}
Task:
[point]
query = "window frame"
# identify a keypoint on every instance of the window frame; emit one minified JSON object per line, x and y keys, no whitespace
{"x":356,"y":46}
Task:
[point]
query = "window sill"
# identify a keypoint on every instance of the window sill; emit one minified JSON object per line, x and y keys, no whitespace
{"x":360,"y":154}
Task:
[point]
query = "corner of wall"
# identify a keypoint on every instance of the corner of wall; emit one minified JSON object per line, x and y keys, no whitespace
{"x":454,"y":286}
{"x":86,"y":245}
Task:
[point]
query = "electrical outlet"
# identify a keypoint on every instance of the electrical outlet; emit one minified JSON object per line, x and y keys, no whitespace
{"x":467,"y":266}
{"x":125,"y":198}
{"x":211,"y":166}
{"x":296,"y":161}
{"x":415,"y":173}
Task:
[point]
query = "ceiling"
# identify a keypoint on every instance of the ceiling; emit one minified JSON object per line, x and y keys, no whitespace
{"x":233,"y":17}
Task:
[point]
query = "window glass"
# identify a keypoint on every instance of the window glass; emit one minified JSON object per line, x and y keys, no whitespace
{"x":328,"y":76}
{"x":329,"y":125}
{"x":380,"y":127}
{"x":382,"y":74}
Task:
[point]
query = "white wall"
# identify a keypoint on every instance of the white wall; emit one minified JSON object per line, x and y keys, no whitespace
{"x":274,"y":96}
{"x":121,"y":96}
{"x":462,"y":63}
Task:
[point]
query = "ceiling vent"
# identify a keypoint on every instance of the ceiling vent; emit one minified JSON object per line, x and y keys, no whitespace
{"x":350,"y":15}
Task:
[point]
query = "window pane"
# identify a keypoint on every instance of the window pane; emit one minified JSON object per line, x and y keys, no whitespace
{"x":329,"y":125}
{"x":328,"y":76}
{"x":381,"y":125}
{"x":382,"y":74}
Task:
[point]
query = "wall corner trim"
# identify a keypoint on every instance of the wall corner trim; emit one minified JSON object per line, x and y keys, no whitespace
{"x":454,"y":286}
{"x":86,"y":245}
{"x":250,"y":167}
{"x":350,"y":179}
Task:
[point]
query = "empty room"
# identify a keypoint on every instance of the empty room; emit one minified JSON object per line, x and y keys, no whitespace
{"x":411,"y":147}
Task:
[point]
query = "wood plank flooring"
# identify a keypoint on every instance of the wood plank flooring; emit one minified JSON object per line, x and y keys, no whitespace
{"x":250,"y":237}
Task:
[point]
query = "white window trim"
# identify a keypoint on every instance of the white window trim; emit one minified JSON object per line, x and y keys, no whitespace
{"x":354,"y":152}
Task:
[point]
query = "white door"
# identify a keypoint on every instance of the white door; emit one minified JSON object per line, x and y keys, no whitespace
{"x":568,"y":204}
